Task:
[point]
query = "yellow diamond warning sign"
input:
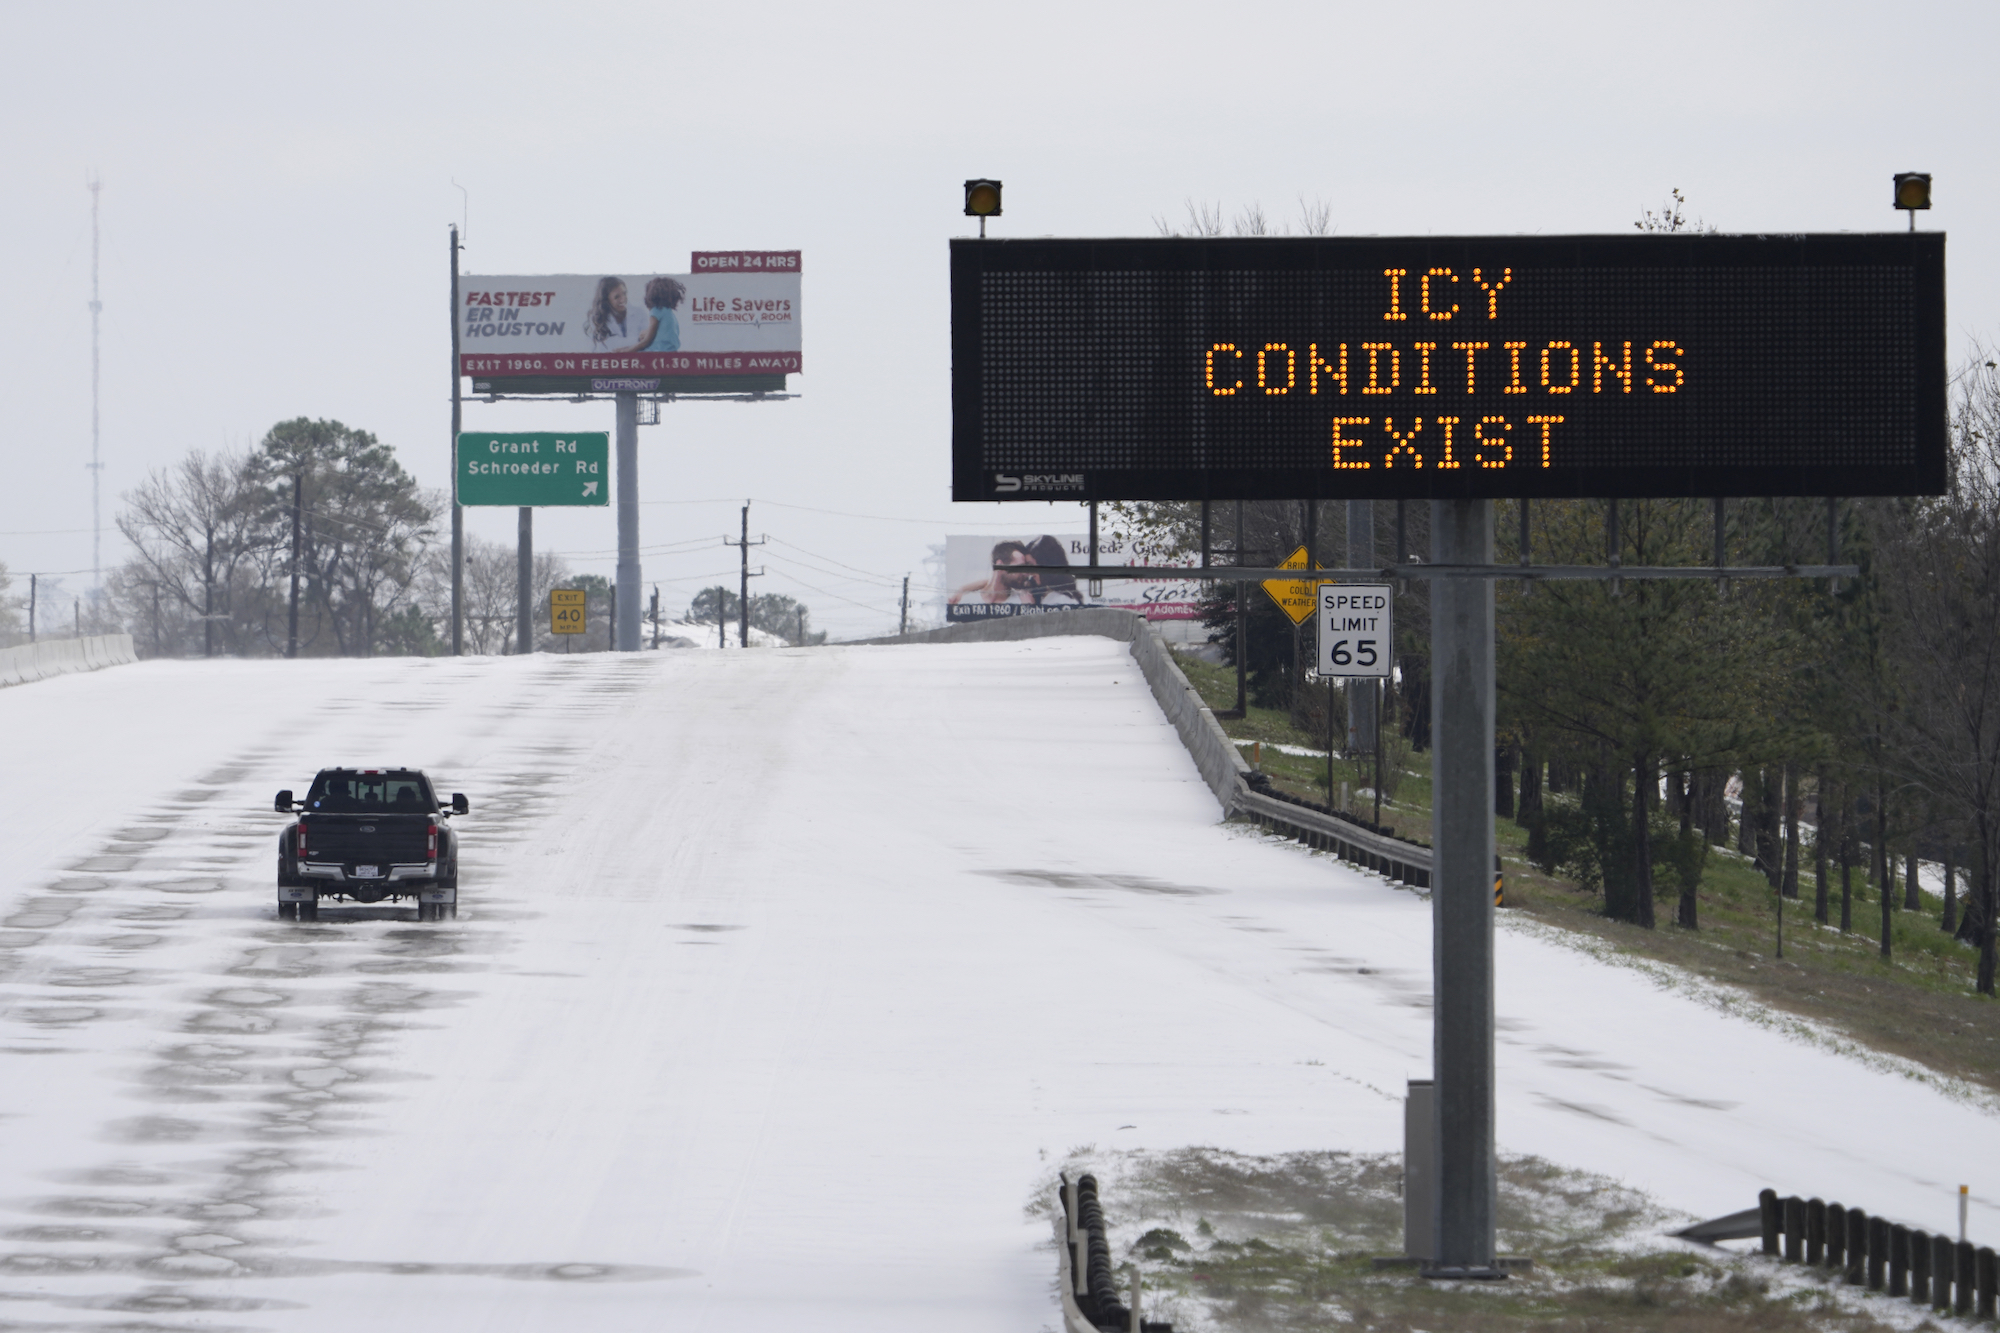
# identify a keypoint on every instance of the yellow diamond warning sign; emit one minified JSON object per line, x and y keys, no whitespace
{"x":1293,"y":596}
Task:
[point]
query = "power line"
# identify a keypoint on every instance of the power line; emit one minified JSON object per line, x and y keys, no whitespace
{"x":831,"y":561}
{"x":811,"y":509}
{"x":845,"y":578}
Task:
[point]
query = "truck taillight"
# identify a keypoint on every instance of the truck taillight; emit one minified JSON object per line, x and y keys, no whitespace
{"x":299,"y":843}
{"x":431,"y":848}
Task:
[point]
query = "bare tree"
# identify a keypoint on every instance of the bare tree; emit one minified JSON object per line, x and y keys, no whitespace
{"x":492,"y":573}
{"x":197,"y":532}
{"x":1938,"y":562}
{"x":10,"y":615}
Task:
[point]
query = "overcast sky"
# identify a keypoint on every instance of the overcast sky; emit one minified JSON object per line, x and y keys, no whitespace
{"x":277,"y":181}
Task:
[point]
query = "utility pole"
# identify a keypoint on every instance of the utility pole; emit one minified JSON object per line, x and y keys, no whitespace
{"x":903,"y":620}
{"x":656,"y":617}
{"x":96,"y":467}
{"x":292,"y":616}
{"x":743,"y":598}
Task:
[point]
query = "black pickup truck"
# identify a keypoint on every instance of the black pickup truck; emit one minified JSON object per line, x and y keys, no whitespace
{"x":368,"y":834}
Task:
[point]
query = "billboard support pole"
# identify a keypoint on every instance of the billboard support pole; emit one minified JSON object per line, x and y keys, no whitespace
{"x":524,"y":584}
{"x":1462,"y":893}
{"x":457,"y":510}
{"x":626,"y":609}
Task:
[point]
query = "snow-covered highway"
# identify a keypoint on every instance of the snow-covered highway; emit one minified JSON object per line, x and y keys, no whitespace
{"x":781,"y":982}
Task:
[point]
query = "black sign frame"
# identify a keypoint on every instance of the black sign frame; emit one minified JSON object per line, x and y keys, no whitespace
{"x":1087,"y":369}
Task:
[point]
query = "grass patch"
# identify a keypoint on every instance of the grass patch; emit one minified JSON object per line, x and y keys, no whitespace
{"x":1918,"y":1004}
{"x":1228,"y":1243}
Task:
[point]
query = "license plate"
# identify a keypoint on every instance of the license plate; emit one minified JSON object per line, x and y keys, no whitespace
{"x":368,"y":872}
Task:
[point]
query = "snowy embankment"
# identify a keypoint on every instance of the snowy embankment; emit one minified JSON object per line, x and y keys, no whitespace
{"x":780,"y":982}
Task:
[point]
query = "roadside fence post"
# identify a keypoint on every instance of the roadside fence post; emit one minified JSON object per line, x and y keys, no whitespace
{"x":1767,"y":1208}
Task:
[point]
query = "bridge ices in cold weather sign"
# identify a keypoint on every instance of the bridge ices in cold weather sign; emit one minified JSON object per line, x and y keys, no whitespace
{"x":1448,"y":367}
{"x":1356,"y":633}
{"x":735,"y":313}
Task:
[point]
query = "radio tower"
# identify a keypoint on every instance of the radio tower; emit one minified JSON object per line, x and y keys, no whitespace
{"x":96,"y":468}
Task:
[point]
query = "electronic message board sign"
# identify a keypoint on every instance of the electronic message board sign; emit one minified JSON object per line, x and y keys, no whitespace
{"x":1434,"y":367}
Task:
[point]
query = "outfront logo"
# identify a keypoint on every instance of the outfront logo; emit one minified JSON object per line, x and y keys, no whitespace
{"x":1046,"y":481}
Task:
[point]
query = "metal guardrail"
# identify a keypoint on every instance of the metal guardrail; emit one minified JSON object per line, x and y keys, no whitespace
{"x":1387,"y":855}
{"x":1946,"y":1275}
{"x":1089,"y":1284}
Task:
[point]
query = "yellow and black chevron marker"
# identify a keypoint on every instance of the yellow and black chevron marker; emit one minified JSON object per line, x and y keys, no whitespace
{"x":1499,"y":885}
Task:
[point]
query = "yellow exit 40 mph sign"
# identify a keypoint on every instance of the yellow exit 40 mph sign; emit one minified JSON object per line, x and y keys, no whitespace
{"x":1295,"y":597}
{"x":566,"y":611}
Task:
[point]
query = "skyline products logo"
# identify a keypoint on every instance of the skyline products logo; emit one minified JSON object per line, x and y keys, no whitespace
{"x":1046,"y":481}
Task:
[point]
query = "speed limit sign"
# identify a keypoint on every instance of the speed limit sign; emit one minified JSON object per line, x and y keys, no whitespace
{"x":1354,"y":629}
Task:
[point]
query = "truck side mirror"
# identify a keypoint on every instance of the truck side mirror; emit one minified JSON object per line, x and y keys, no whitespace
{"x":283,"y":805}
{"x":459,"y":805}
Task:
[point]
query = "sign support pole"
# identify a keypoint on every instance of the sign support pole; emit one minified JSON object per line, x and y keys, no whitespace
{"x":1462,"y":892}
{"x":457,"y":510}
{"x":1242,"y":625}
{"x":1360,"y":693}
{"x":524,"y":584}
{"x":626,"y":610}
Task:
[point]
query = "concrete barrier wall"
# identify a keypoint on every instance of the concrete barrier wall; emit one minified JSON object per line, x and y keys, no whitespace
{"x":61,"y":657}
{"x":1221,"y":765}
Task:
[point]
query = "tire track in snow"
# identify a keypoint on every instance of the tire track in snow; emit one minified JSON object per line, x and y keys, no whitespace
{"x":224,"y":1057}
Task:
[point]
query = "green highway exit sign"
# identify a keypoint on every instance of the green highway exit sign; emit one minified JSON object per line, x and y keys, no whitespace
{"x":534,"y":468}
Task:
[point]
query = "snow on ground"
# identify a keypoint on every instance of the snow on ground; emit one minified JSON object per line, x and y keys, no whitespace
{"x":781,"y":980}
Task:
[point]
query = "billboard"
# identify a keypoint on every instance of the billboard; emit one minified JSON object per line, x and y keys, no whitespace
{"x":733,"y":316}
{"x":1023,"y":575}
{"x":1441,"y":367}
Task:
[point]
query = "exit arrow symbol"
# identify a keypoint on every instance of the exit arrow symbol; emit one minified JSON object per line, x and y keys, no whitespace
{"x":590,"y":488}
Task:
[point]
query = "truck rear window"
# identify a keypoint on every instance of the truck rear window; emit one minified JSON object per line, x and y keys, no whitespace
{"x":387,"y":792}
